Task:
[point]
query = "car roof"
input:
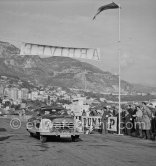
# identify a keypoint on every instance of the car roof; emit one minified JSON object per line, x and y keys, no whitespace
{"x":52,"y":107}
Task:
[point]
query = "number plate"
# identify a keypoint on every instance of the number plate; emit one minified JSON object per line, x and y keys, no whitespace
{"x":65,"y":135}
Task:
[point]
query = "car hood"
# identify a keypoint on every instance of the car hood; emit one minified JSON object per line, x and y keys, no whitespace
{"x":59,"y":118}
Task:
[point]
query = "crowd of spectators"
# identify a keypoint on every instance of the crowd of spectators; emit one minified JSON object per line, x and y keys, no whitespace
{"x":138,"y":120}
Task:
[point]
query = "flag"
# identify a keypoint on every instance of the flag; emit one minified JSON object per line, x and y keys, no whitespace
{"x":105,"y":7}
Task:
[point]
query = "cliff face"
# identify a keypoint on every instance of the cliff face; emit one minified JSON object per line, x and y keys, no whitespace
{"x":57,"y":71}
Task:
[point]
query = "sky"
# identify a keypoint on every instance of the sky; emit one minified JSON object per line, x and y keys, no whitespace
{"x":69,"y":23}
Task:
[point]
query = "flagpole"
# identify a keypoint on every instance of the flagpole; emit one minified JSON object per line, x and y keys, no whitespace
{"x":119,"y":56}
{"x":85,"y":79}
{"x":114,"y":6}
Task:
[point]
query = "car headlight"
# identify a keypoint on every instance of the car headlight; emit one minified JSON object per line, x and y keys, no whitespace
{"x":46,"y":124}
{"x":78,"y":123}
{"x":49,"y":124}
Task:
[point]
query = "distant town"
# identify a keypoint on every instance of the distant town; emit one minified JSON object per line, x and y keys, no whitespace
{"x":17,"y":94}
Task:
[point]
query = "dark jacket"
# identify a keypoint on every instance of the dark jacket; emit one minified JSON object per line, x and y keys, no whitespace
{"x":153,"y":125}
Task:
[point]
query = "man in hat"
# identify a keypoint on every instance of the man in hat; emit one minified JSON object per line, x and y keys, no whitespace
{"x":104,"y":120}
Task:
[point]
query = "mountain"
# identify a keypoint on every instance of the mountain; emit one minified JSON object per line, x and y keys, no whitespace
{"x":144,"y":88}
{"x":7,"y":50}
{"x":58,"y":71}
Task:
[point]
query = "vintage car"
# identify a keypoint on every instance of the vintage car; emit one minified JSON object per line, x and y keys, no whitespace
{"x":54,"y":121}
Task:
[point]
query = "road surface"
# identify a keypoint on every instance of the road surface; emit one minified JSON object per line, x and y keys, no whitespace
{"x":17,"y":148}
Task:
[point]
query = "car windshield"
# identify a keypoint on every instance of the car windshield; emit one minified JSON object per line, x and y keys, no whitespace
{"x":52,"y":111}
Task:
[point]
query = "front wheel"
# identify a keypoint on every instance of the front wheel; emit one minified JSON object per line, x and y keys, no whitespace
{"x":31,"y":134}
{"x":43,"y":138}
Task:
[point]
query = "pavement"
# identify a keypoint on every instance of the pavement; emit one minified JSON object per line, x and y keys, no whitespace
{"x":4,"y":125}
{"x":17,"y":148}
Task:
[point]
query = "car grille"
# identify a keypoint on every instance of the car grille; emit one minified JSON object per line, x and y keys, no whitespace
{"x":63,"y":125}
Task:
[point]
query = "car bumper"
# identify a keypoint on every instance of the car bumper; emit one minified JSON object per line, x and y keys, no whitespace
{"x":60,"y":134}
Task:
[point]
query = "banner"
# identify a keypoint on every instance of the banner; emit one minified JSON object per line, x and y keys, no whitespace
{"x":112,"y":124}
{"x":45,"y":51}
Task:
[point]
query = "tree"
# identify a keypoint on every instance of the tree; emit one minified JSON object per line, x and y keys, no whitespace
{"x":4,"y":83}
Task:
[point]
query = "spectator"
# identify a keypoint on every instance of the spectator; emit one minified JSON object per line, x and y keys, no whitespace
{"x":84,"y":113}
{"x":153,"y":126}
{"x":146,"y":125}
{"x":104,"y":121}
{"x":128,"y":121}
{"x":138,"y":122}
{"x":146,"y":118}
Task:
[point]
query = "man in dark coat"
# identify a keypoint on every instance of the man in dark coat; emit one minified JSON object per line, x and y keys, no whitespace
{"x":153,"y":126}
{"x":104,"y":120}
{"x":129,"y":120}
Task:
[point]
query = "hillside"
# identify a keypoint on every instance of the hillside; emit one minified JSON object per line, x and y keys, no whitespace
{"x":7,"y":50}
{"x":58,"y":71}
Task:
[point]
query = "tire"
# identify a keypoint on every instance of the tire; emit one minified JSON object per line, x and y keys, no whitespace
{"x":37,"y":135}
{"x":43,"y":138}
{"x":31,"y":134}
{"x":75,"y":138}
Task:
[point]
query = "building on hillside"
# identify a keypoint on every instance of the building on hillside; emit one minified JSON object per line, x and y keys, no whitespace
{"x":79,"y":100}
{"x":42,"y":92}
{"x":34,"y":95}
{"x":79,"y":106}
{"x":62,"y":92}
{"x":53,"y":98}
{"x":13,"y":94}
{"x":24,"y":94}
{"x":66,"y":97}
{"x":153,"y":93}
{"x":7,"y":92}
{"x":41,"y":97}
{"x":19,"y":94}
{"x":102,"y":99}
{"x":67,"y":106}
{"x":79,"y":109}
{"x":30,"y":96}
{"x":1,"y":90}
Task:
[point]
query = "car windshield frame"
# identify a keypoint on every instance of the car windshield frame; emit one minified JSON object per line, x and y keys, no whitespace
{"x":57,"y":112}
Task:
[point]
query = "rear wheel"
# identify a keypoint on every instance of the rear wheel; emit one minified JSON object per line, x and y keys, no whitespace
{"x":75,"y":138}
{"x":43,"y":138}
